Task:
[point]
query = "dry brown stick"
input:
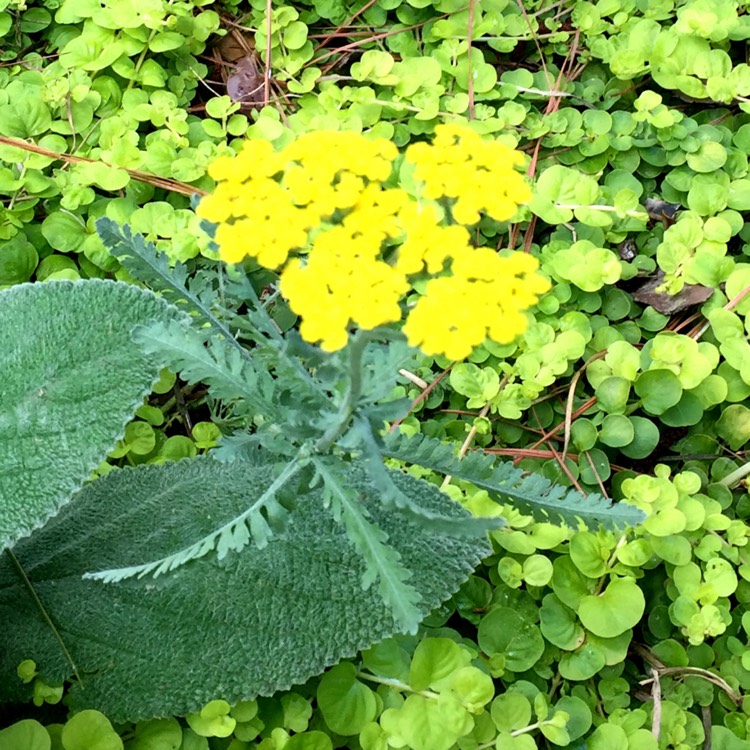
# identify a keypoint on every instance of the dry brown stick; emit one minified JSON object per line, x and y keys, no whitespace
{"x":174,"y":186}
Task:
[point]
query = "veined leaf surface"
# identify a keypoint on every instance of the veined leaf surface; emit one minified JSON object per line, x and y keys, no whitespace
{"x":70,"y":379}
{"x":253,"y":623}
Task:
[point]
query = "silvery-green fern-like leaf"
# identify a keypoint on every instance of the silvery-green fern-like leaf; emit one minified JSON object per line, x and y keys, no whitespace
{"x":529,"y":493}
{"x":144,"y":262}
{"x":383,"y":562}
{"x":393,"y":497}
{"x":212,"y":361}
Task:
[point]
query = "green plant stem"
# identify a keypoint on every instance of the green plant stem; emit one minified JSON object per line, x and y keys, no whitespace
{"x":397,"y":684}
{"x":357,"y":347}
{"x":734,"y":477}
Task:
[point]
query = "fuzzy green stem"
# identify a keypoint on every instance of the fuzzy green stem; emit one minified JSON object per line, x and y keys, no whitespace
{"x":733,"y":478}
{"x":397,"y":684}
{"x":357,"y":347}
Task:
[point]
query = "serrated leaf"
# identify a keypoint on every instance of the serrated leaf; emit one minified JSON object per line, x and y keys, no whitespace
{"x":382,"y":561}
{"x":530,"y":493}
{"x":229,"y":372}
{"x":392,"y":497}
{"x":256,"y":622}
{"x":71,"y":380}
{"x":144,"y":262}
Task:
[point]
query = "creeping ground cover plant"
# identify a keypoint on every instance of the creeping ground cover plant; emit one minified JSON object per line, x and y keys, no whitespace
{"x":419,"y":414}
{"x":294,"y":517}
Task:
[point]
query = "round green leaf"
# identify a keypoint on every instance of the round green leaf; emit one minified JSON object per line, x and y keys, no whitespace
{"x":507,"y":741}
{"x":688,"y":411}
{"x":612,"y":394}
{"x":559,"y":625}
{"x":428,"y":723}
{"x":583,"y":663}
{"x":213,"y":720}
{"x":295,"y":35}
{"x":579,"y":715}
{"x":157,"y":734}
{"x":616,"y":430}
{"x":537,"y":570}
{"x":674,"y":549}
{"x":18,"y":259}
{"x":594,"y":466}
{"x":583,"y":433}
{"x":434,"y":660}
{"x":658,"y":390}
{"x":347,"y":705}
{"x":608,"y":737}
{"x":387,"y":659}
{"x":646,"y":438}
{"x":708,"y":158}
{"x":504,"y":631}
{"x":90,"y":730}
{"x":724,"y":739}
{"x":733,"y":426}
{"x":589,"y":553}
{"x":709,"y":193}
{"x":165,"y":41}
{"x":739,"y":195}
{"x":617,"y":609}
{"x":66,"y":396}
{"x":309,"y":741}
{"x":473,"y":687}
{"x":27,"y":734}
{"x":568,"y":583}
{"x":64,"y":231}
{"x":140,"y":438}
{"x":510,"y":711}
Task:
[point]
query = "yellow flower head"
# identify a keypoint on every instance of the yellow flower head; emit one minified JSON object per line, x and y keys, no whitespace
{"x":349,"y":246}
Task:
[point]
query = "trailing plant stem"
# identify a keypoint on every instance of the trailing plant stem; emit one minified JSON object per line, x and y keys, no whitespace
{"x":397,"y":684}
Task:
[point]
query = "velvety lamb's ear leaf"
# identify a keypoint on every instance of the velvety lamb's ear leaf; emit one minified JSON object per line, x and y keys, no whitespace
{"x":71,"y":379}
{"x":255,"y":622}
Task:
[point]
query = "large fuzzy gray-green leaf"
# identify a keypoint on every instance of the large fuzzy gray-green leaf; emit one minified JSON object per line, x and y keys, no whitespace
{"x":70,"y":379}
{"x":254,"y":623}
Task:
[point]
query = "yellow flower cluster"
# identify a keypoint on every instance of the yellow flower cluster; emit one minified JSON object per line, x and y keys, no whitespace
{"x":478,"y":174}
{"x":349,"y":248}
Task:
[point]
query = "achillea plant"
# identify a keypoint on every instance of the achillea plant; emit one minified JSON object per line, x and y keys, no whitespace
{"x":296,"y":516}
{"x":349,"y":245}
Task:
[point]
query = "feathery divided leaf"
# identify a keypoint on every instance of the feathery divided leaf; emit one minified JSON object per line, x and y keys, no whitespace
{"x":147,"y":264}
{"x":253,"y":524}
{"x":392,"y":497}
{"x":229,"y":373}
{"x":371,"y":542}
{"x":532,"y":493}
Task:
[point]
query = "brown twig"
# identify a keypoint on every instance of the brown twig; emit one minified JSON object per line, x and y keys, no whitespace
{"x":422,"y":396}
{"x":174,"y":186}
{"x":469,"y":38}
